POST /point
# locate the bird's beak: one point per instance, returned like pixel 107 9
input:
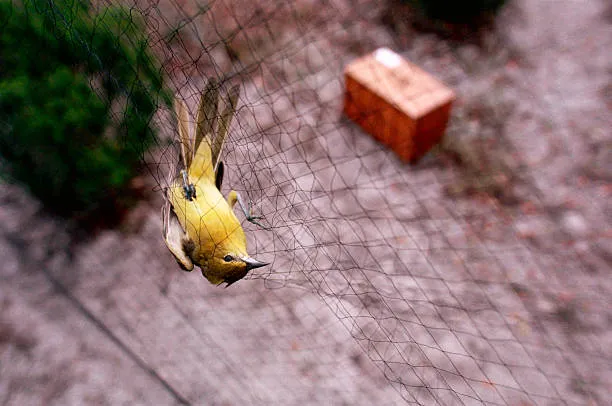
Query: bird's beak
pixel 253 263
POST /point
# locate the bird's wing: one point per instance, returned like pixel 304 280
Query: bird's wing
pixel 183 132
pixel 207 113
pixel 209 141
pixel 175 237
pixel 219 175
pixel 224 123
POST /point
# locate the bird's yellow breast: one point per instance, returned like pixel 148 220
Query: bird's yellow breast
pixel 209 221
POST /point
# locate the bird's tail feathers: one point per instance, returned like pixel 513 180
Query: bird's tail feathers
pixel 183 132
pixel 206 120
pixel 201 155
pixel 223 125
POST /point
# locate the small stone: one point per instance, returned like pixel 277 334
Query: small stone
pixel 574 223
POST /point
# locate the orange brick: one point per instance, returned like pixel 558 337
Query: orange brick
pixel 396 102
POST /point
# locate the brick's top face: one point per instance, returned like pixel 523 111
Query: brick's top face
pixel 399 82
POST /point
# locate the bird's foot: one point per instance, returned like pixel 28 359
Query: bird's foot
pixel 248 213
pixel 188 188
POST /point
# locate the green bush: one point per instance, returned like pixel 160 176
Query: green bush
pixel 457 11
pixel 77 94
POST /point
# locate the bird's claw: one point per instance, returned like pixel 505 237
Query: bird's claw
pixel 188 188
pixel 248 215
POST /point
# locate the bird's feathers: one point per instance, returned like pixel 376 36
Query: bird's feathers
pixel 219 175
pixel 207 114
pixel 223 125
pixel 183 132
pixel 211 131
pixel 175 237
pixel 202 168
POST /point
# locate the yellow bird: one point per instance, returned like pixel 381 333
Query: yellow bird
pixel 199 225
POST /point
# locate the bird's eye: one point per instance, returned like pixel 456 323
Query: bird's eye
pixel 228 258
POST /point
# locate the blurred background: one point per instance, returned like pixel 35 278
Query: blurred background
pixel 480 275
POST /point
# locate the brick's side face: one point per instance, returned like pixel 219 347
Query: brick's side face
pixel 430 130
pixel 379 118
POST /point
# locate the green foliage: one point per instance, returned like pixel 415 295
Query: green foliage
pixel 457 11
pixel 77 94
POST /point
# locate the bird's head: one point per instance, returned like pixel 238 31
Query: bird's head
pixel 229 261
pixel 230 268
